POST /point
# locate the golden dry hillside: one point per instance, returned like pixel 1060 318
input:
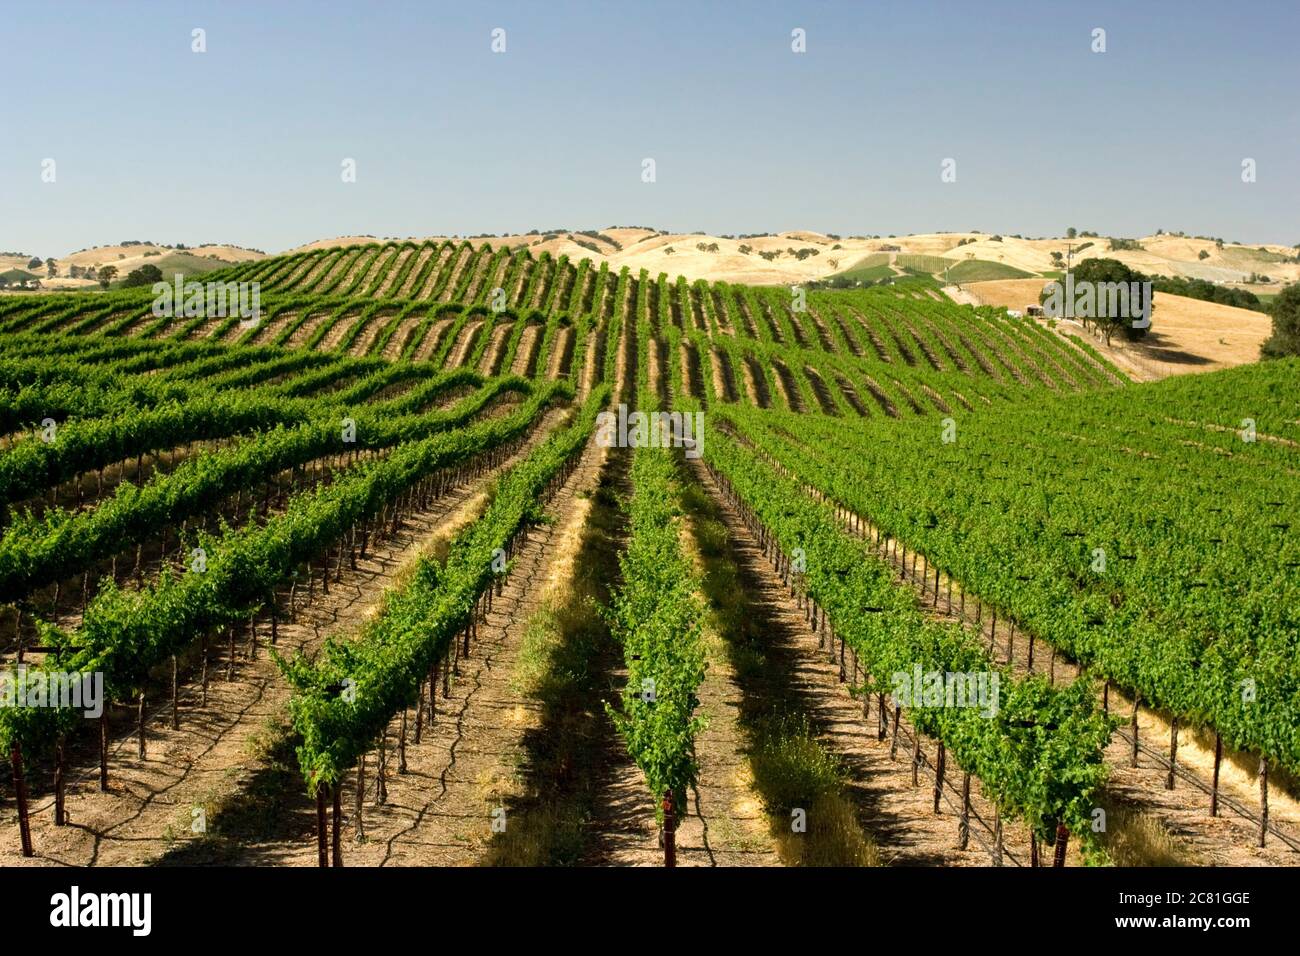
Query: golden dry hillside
pixel 126 257
pixel 1187 335
pixel 775 259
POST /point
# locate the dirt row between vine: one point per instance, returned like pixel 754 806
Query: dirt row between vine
pixel 217 753
pixel 899 816
pixel 723 823
pixel 1181 814
pixel 1225 840
pixel 441 808
pixel 236 509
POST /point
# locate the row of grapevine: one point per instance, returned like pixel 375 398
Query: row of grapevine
pixel 124 634
pixel 1037 750
pixel 656 616
pixel 60 543
pixel 344 698
pixel 1157 551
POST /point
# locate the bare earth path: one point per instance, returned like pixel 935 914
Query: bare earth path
pixel 1183 812
pixel 440 810
pixel 1226 840
pixel 723 825
pixel 899 816
pixel 150 804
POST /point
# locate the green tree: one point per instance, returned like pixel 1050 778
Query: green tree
pixel 51 268
pixel 1286 324
pixel 1071 233
pixel 107 275
pixel 145 275
pixel 1091 276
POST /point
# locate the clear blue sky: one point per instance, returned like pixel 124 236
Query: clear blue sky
pixel 243 144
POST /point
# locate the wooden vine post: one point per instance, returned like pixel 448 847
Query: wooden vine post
pixel 1263 799
pixel 1214 786
pixel 963 828
pixel 176 719
pixel 1062 838
pixel 337 792
pixel 322 848
pixel 103 750
pixel 20 797
pixel 140 723
pixel 401 745
pixel 893 742
pixel 916 753
pixel 1133 727
pixel 361 792
pixel 940 762
pixel 997 836
pixel 670 830
pixel 1173 753
pixel 60 786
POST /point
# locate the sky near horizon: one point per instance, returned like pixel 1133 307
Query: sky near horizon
pixel 244 143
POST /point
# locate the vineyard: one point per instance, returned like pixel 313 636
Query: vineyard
pixel 362 580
